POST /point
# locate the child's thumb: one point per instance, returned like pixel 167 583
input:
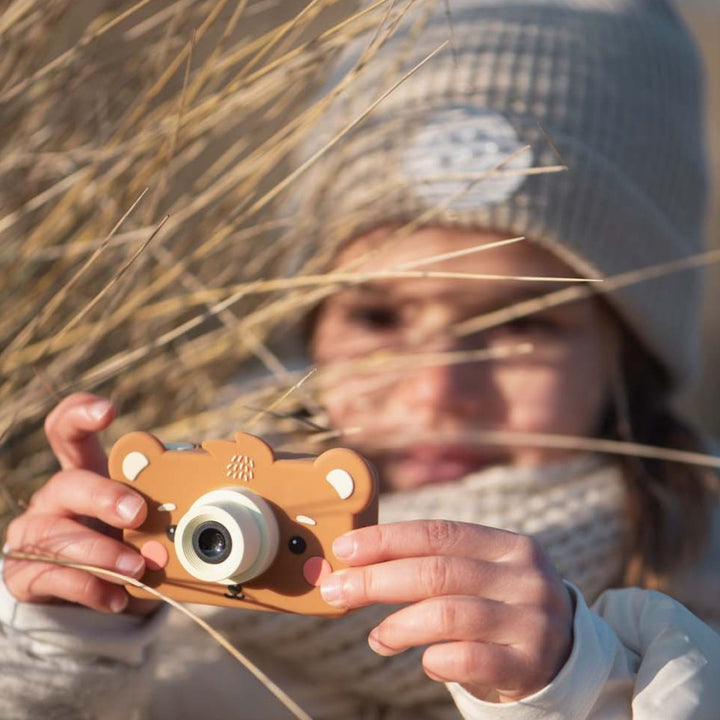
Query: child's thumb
pixel 72 428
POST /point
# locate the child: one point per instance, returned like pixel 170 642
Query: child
pixel 460 442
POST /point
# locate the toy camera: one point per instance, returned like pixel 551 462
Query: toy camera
pixel 230 524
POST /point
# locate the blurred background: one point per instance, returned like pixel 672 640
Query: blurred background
pixel 201 101
pixel 703 17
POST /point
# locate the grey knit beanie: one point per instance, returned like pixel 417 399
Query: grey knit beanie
pixel 612 87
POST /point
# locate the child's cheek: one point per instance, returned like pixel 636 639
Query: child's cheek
pixel 536 400
pixel 554 399
pixel 347 404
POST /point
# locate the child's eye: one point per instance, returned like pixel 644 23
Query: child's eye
pixel 378 317
pixel 530 324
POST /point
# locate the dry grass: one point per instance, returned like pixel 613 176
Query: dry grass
pixel 250 666
pixel 143 160
pixel 142 147
pixel 144 157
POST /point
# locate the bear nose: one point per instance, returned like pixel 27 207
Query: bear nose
pixel 315 569
pixel 156 555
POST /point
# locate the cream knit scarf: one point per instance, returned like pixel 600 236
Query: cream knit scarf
pixel 575 510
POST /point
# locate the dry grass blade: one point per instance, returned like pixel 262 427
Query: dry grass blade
pixel 256 418
pixel 172 145
pixel 271 194
pixel 63 59
pixel 276 37
pixel 176 63
pixel 507 172
pixel 380 371
pixel 390 360
pixel 578 292
pixel 262 287
pixel 470 182
pixel 114 279
pixel 598 445
pixel 60 296
pixel 275 689
pixel 458 253
pixel 35 203
pixel 125 360
pixel 13 14
pixel 207 70
pixel 550 441
pixel 448 17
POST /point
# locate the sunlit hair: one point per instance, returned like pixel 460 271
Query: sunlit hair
pixel 669 503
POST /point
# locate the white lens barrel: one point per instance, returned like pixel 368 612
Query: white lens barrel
pixel 249 526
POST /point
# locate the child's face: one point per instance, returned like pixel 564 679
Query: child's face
pixel 413 417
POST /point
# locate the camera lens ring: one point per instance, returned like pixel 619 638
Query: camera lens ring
pixel 212 542
pixel 252 527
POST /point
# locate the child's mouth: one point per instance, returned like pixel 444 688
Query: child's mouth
pixel 427 464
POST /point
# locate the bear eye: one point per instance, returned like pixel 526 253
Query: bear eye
pixel 170 532
pixel 297 545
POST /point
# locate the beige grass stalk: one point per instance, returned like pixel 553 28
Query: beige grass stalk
pixel 552 441
pixel 59 297
pixel 7 20
pixel 217 637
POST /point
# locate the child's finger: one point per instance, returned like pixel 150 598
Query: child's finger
pixel 81 492
pixel 64 539
pixel 53 582
pixel 440 619
pixel 414 579
pixel 421 538
pixel 486 665
pixel 71 430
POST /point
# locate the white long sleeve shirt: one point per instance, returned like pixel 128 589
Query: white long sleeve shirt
pixel 638 654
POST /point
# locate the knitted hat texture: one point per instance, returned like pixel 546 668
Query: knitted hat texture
pixel 610 88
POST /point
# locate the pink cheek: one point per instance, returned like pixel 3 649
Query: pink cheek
pixel 155 554
pixel 315 569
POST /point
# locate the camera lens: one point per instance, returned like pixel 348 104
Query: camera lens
pixel 228 535
pixel 212 543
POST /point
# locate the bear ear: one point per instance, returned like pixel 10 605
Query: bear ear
pixel 348 477
pixel 131 454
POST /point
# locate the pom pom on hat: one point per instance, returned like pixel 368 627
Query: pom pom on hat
pixel 610 88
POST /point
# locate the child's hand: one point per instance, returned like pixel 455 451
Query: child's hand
pixel 73 517
pixel 494 612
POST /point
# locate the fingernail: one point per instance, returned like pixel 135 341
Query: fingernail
pixel 343 547
pixel 130 564
pixel 119 603
pixel 98 410
pixel 435 676
pixel 128 507
pixel 378 647
pixel 331 589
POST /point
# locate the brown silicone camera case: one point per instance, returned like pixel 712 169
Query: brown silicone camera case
pixel 313 500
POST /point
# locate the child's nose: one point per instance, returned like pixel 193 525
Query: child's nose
pixel 441 381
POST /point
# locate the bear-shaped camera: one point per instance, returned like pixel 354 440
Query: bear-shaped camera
pixel 231 524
